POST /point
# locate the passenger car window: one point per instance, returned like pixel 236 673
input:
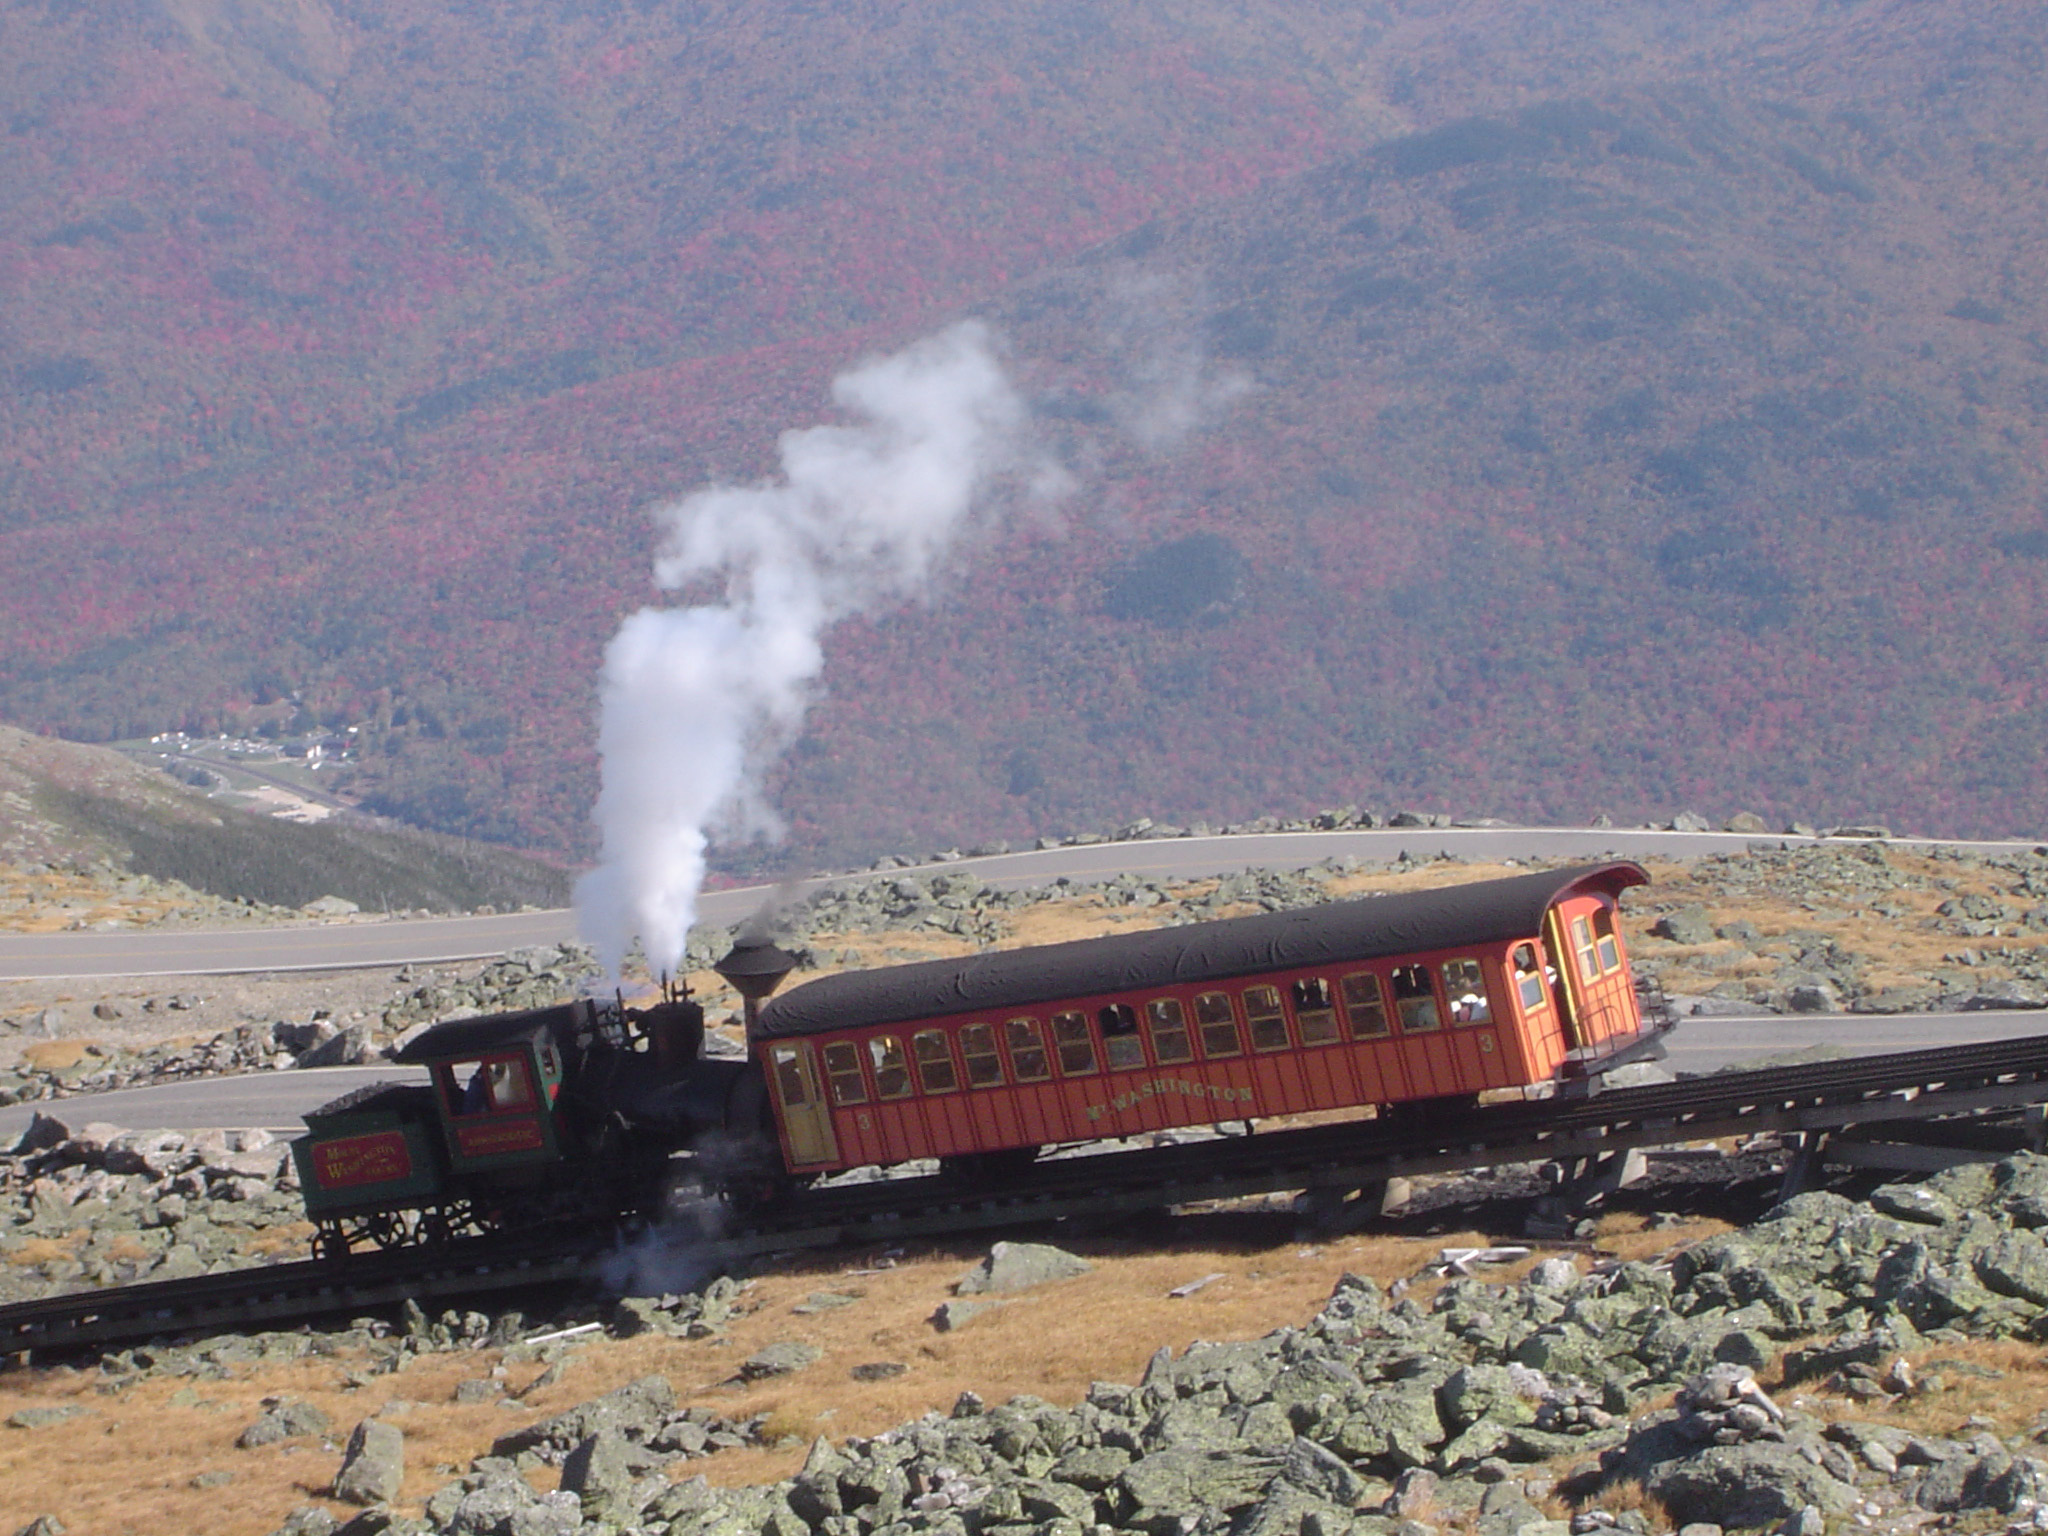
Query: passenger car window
pixel 1314 1014
pixel 1582 946
pixel 978 1050
pixel 1604 942
pixel 1465 986
pixel 1169 1025
pixel 1076 1044
pixel 842 1070
pixel 1529 978
pixel 789 1077
pixel 1364 1008
pixel 934 1061
pixel 892 1077
pixel 1120 1042
pixel 1027 1051
pixel 1218 1023
pixel 1268 1021
pixel 1415 1000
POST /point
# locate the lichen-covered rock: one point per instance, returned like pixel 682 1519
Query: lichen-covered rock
pixel 1154 1494
pixel 2016 1265
pixel 373 1466
pixel 1745 1486
pixel 1019 1267
pixel 607 1473
pixel 782 1358
pixel 1389 1430
pixel 1498 1394
pixel 284 1419
pixel 636 1410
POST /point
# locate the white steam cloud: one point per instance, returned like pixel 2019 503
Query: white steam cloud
pixel 698 700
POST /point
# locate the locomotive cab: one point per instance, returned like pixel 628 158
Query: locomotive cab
pixel 497 1084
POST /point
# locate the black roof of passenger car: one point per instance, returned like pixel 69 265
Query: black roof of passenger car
pixel 1367 928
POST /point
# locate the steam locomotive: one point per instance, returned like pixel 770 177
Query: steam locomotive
pixel 589 1110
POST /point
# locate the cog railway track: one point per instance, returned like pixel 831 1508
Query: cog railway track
pixel 1807 1100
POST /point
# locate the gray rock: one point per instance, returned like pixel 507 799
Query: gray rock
pixel 349 1047
pixel 285 1420
pixel 1555 1274
pixel 1389 1431
pixel 552 1514
pixel 2016 1265
pixel 373 1466
pixel 1316 1471
pixel 1413 1494
pixel 605 1472
pixel 635 1410
pixel 781 1358
pixel 1760 1483
pixel 43 1133
pixel 1688 925
pixel 1020 1266
pixel 460 1510
pixel 1813 997
pixel 1155 1494
pixel 1496 1393
pixel 1093 1468
pixel 1914 1202
pixel 307 1520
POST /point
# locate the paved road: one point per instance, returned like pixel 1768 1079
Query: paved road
pixel 276 1100
pixel 272 1100
pixel 343 946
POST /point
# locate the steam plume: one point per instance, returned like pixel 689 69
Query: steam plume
pixel 697 700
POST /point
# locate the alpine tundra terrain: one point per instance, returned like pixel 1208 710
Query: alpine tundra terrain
pixel 1872 1361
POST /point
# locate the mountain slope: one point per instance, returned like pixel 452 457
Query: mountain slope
pixel 1526 407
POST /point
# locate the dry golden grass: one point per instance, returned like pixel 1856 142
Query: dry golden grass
pixel 1900 949
pixel 55 1055
pixel 128 1466
pixel 1627 1235
pixel 46 1250
pixel 2013 1396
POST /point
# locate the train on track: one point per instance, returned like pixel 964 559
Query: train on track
pixel 1410 1005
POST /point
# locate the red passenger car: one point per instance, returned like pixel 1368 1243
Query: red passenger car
pixel 1385 1000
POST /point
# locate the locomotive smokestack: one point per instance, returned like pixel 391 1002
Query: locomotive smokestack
pixel 754 968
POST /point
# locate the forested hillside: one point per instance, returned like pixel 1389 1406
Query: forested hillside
pixel 1528 408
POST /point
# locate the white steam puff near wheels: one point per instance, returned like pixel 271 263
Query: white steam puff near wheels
pixel 697 700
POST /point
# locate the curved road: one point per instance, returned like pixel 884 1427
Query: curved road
pixel 344 946
pixel 276 1100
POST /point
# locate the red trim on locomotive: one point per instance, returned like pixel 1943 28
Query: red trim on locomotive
pixel 1449 1022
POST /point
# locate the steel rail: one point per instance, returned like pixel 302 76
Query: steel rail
pixel 1806 1099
